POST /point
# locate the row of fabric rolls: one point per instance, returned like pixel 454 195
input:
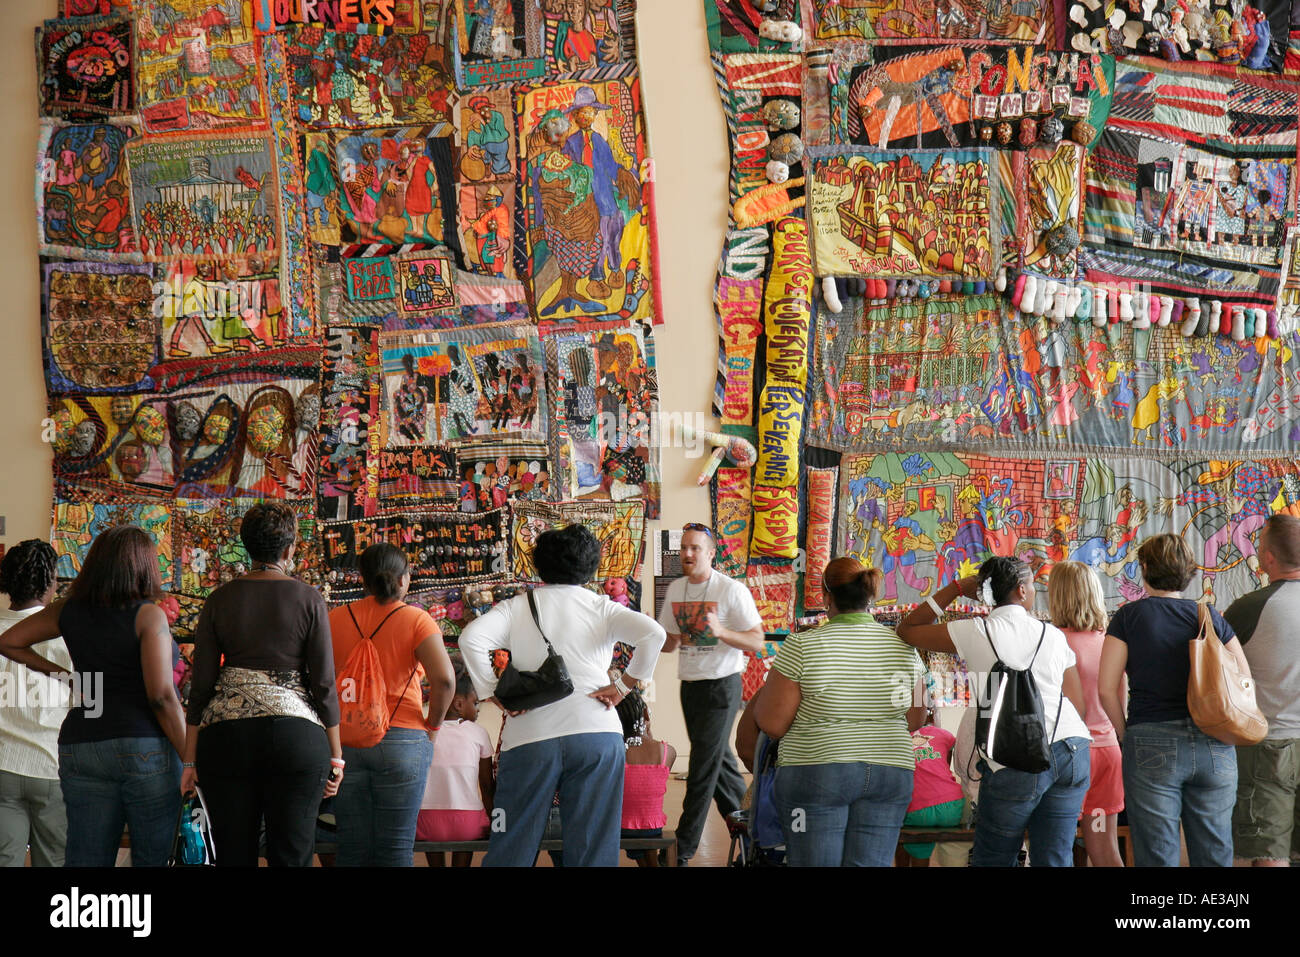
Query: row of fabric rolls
pixel 1049 298
pixel 1035 296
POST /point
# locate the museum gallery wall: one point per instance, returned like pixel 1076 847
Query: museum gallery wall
pixel 1009 278
pixel 998 279
pixel 389 262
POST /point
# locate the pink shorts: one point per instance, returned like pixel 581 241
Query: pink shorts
pixel 1106 790
pixel 442 825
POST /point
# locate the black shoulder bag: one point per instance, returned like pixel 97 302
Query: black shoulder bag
pixel 524 690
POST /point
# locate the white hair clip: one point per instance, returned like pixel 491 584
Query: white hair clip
pixel 986 592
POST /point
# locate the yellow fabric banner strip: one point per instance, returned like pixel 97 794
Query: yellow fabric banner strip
pixel 788 317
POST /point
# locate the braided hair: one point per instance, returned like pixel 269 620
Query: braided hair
pixel 1004 575
pixel 27 571
pixel 631 711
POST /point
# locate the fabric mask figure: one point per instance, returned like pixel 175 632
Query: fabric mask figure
pixel 83 439
pixel 186 421
pixel 131 459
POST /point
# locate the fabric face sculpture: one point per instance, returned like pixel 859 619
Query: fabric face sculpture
pixel 786 148
pixel 781 114
pixel 150 425
pixel 307 409
pixel 783 31
pixel 265 430
pixel 121 409
pixel 216 429
pixel 63 429
pixel 187 422
pixel 83 439
pixel 131 459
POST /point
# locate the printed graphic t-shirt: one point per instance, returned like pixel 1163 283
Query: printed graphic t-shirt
pixel 935 782
pixel 701 655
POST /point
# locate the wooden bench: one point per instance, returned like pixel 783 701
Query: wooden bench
pixel 936 835
pixel 667 843
pixel 944 835
pixel 928 835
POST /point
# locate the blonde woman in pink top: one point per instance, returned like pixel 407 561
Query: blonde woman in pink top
pixel 1074 600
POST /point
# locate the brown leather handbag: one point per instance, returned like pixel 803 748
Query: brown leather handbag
pixel 1220 698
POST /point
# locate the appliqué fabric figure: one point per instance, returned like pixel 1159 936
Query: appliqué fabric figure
pixel 490 137
pixel 410 403
pixel 610 181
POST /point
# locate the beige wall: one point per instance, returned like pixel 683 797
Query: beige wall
pixel 25 473
pixel 688 142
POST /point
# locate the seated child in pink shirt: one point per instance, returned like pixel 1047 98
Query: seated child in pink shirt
pixel 645 777
pixel 937 797
pixel 460 786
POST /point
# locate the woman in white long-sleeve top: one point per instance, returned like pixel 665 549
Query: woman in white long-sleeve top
pixel 574 745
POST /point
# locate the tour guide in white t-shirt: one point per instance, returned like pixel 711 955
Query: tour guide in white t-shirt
pixel 714 621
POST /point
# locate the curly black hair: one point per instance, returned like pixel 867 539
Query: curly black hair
pixel 27 571
pixel 464 683
pixel 267 530
pixel 566 556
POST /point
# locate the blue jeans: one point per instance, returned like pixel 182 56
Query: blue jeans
pixel 1174 770
pixel 842 814
pixel 131 781
pixel 1046 805
pixel 379 801
pixel 587 770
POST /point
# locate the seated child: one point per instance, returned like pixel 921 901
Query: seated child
pixel 460 786
pixel 1264 225
pixel 937 796
pixel 645 777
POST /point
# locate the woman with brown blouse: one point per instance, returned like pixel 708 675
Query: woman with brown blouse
pixel 264 712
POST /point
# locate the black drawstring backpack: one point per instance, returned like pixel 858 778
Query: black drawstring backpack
pixel 1009 725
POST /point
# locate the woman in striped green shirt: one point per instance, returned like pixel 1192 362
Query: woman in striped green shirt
pixel 838 698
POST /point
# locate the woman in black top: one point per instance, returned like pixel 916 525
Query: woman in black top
pixel 1174 773
pixel 118 750
pixel 263 723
